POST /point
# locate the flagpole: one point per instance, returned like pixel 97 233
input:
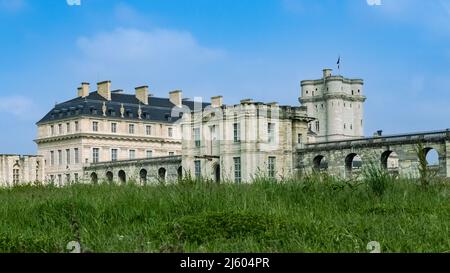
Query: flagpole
pixel 339 65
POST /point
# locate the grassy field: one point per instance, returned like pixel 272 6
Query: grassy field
pixel 316 215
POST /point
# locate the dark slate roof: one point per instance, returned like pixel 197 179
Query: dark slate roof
pixel 158 109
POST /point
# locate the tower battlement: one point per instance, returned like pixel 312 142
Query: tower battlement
pixel 337 103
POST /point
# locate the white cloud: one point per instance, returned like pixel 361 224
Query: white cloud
pixel 12 5
pixel 433 15
pixel 19 106
pixel 132 45
pixel 158 57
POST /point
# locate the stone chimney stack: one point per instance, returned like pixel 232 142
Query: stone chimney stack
pixel 327 72
pixel 175 97
pixel 216 101
pixel 83 91
pixel 104 89
pixel 142 94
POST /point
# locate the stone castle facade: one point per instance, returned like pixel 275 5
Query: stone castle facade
pixel 107 135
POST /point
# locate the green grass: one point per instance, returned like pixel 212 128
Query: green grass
pixel 317 215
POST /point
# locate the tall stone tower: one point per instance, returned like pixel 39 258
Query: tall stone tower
pixel 337 103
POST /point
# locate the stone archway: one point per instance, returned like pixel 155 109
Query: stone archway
pixel 353 163
pixel 143 176
pixel 432 156
pixel 320 163
pixel 122 177
pixel 180 173
pixel 217 173
pixel 109 177
pixel 94 178
pixel 162 173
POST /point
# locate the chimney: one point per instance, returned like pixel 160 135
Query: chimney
pixel 104 89
pixel 83 91
pixel 327 72
pixel 216 101
pixel 142 94
pixel 175 97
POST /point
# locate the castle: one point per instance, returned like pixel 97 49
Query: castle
pixel 107 135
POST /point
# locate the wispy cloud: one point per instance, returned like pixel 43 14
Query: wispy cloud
pixel 433 15
pixel 12 5
pixel 18 106
pixel 133 56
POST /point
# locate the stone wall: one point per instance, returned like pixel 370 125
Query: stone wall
pixel 142 171
pixel 372 150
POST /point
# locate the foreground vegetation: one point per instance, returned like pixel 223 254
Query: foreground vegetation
pixel 316 214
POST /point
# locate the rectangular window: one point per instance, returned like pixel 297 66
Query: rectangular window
pixel 95 155
pixel 76 155
pixel 149 154
pixel 68 178
pixel 76 177
pixel 171 153
pixel 15 176
pixel 131 128
pixel 170 132
pixel 132 154
pixel 60 157
pixel 236 132
pixel 68 156
pixel 60 179
pixel 198 170
pixel 113 154
pixel 113 127
pixel 52 178
pixel 95 126
pixel 271 132
pixel 271 167
pixel 197 137
pixel 148 130
pixel 237 169
pixel 60 129
pixel 317 126
pixel 299 138
pixel 52 130
pixel 52 158
pixel 77 126
pixel 68 127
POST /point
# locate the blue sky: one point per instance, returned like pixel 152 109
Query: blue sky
pixel 258 49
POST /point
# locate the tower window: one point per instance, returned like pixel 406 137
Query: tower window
pixel 317 126
pixel 236 132
pixel 197 137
